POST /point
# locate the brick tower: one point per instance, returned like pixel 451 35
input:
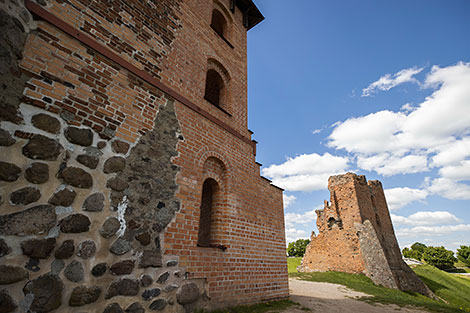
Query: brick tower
pixel 128 175
pixel 356 236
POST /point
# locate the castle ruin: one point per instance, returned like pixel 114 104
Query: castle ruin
pixel 356 236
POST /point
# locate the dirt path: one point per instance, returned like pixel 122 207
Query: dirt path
pixel 333 298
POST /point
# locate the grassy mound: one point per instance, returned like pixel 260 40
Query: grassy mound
pixel 452 289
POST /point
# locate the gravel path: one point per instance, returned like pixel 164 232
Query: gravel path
pixel 333 298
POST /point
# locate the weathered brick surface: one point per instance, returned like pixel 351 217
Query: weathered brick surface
pixel 356 236
pixel 72 83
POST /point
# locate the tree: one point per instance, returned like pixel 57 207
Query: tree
pixel 297 248
pixel 415 251
pixel 463 255
pixel 439 257
pixel 412 254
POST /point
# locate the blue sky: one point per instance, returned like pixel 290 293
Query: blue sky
pixel 380 88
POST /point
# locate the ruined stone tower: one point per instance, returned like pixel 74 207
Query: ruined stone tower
pixel 356 236
pixel 128 176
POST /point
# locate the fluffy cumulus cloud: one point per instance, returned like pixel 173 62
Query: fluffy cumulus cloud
pixel 419 231
pixel 306 172
pixel 402 196
pixel 288 200
pixel 424 218
pixel 297 222
pixel 433 135
pixel 388 81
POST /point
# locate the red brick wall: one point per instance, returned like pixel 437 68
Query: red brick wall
pixel 173 41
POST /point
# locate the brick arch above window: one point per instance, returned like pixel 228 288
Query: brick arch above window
pixel 220 14
pixel 217 88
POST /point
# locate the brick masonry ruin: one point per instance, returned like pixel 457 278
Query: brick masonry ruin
pixel 112 160
pixel 356 236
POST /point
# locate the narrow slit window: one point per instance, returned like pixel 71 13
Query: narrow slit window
pixel 214 87
pixel 218 23
pixel 209 189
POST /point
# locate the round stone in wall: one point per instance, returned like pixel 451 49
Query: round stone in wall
pixel 9 172
pixel 7 304
pixel 6 139
pixel 64 197
pixel 46 123
pixel 40 147
pixel 33 221
pixel 120 247
pixel 79 136
pixel 187 293
pixel 94 202
pixel 151 293
pixel 119 146
pixel 114 165
pixel 135 307
pixel 10 274
pixel 38 248
pixel 116 184
pixel 123 287
pixel 88 160
pixel 37 173
pixel 75 223
pixel 76 177
pixel 47 293
pixel 25 196
pixel 66 250
pixel 163 277
pixel 122 268
pixel 4 248
pixel 159 305
pixel 74 271
pixel 113 308
pixel 99 269
pixel 86 249
pixel 146 280
pixel 110 227
pixel 83 295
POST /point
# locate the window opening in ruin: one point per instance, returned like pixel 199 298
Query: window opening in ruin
pixel 218 23
pixel 214 87
pixel 209 188
pixel 331 222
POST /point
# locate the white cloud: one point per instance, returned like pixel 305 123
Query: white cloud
pixel 389 81
pixel 316 131
pixel 431 230
pixel 306 172
pixel 288 200
pixel 401 142
pixel 388 165
pixel 425 218
pixel 307 218
pixel 292 234
pixel 452 153
pixel 399 197
pixel 449 189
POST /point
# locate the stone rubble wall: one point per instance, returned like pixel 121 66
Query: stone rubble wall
pixel 357 236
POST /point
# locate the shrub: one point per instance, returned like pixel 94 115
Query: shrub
pixel 439 257
pixel 463 254
pixel 297 248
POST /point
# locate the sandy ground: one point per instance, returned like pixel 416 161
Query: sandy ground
pixel 333 298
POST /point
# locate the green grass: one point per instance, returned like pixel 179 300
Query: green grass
pixel 292 264
pixel 454 290
pixel 272 307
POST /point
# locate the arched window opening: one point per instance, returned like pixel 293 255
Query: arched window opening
pixel 209 190
pixel 214 87
pixel 218 23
